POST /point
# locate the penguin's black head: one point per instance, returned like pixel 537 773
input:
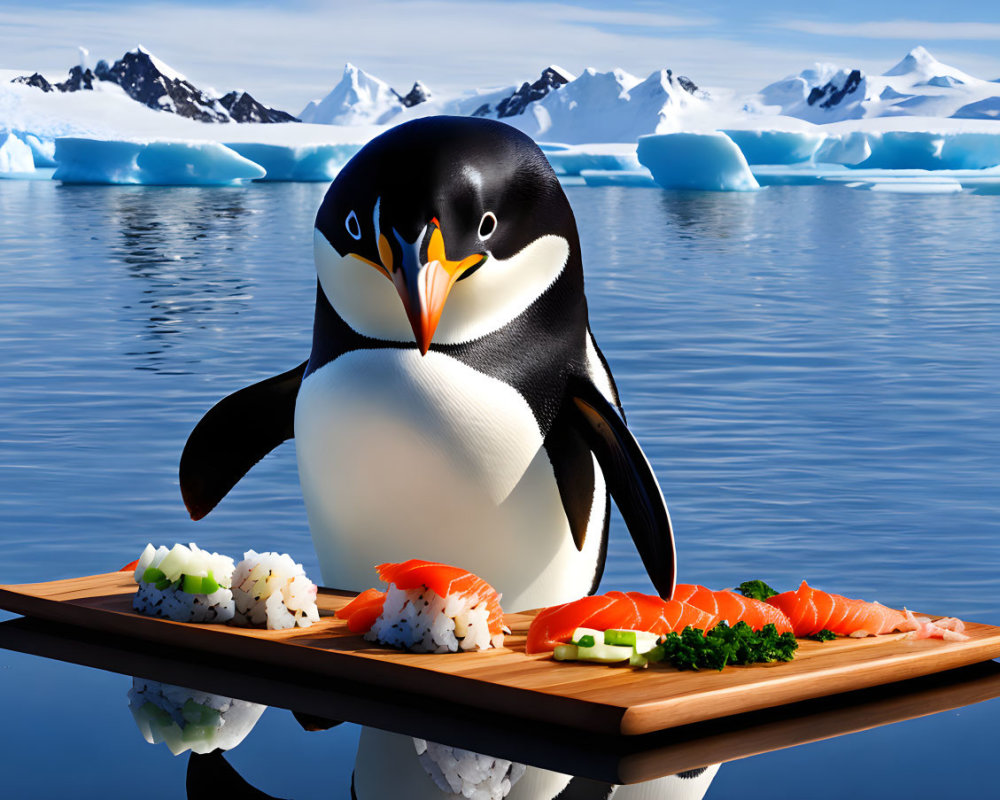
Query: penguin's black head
pixel 438 207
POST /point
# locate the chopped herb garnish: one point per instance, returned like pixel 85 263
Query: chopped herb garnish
pixel 723 646
pixel 584 641
pixel 756 590
pixel 823 636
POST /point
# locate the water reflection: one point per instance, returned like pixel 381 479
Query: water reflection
pixel 391 765
pixel 187 719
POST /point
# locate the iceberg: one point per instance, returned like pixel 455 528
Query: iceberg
pixel 617 177
pixel 158 163
pixel 709 161
pixel 776 146
pixel 932 150
pixel 15 154
pixel 301 162
pixel 573 159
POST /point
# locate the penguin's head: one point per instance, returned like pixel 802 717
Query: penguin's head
pixel 443 228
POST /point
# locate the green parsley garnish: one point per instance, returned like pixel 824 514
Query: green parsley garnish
pixel 756 590
pixel 823 636
pixel 724 646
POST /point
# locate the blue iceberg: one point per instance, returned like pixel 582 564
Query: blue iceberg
pixel 302 162
pixel 707 161
pixel 157 163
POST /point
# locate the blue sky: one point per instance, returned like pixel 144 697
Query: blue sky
pixel 291 53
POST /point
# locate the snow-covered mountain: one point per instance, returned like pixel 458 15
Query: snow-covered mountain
pixel 150 81
pixel 557 106
pixel 919 85
pixel 362 99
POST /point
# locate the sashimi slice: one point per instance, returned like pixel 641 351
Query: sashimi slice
pixel 732 607
pixel 620 610
pixel 363 610
pixel 811 610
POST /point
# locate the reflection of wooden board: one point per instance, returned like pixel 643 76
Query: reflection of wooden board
pixel 610 700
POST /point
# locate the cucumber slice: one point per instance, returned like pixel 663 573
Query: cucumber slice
pixel 153 575
pixel 642 641
pixel 565 652
pixel 163 584
pixel 209 585
pixel 604 653
pixel 191 584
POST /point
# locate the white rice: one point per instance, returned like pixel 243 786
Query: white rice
pixel 423 621
pixel 462 773
pixel 272 590
pixel 172 602
pixel 187 719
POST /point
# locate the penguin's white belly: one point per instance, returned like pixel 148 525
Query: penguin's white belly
pixel 408 456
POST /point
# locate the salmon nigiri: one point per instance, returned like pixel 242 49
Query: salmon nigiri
pixel 429 607
pixel 811 610
pixel 732 607
pixel 621 610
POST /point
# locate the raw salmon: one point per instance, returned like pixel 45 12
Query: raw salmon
pixel 442 579
pixel 621 610
pixel 363 610
pixel 732 607
pixel 811 610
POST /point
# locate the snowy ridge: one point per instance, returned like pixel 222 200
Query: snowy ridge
pixel 152 82
pixel 919 85
pixel 920 115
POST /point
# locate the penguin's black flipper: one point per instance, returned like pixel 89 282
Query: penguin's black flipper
pixel 234 435
pixel 630 480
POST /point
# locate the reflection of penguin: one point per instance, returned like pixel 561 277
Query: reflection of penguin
pixel 484 432
pixel 210 776
pixel 393 765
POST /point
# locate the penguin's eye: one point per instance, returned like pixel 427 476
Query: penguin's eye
pixel 487 225
pixel 353 226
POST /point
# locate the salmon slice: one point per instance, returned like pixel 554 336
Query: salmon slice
pixel 362 611
pixel 618 610
pixel 732 607
pixel 445 580
pixel 811 610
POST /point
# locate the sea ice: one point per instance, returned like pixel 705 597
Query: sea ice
pixel 617 177
pixel 157 163
pixel 297 162
pixel 696 161
pixel 15 154
pixel 776 146
pixel 573 159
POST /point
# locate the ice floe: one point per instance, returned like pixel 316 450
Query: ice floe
pixel 709 161
pixel 155 163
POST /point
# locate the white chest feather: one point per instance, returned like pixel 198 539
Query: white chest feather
pixel 408 456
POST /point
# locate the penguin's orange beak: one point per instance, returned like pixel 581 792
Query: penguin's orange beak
pixel 424 280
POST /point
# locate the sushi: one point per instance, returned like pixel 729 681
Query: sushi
pixel 732 607
pixel 428 608
pixel 188 719
pixel 184 584
pixel 271 590
pixel 615 610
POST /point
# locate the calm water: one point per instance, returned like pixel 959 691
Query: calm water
pixel 812 371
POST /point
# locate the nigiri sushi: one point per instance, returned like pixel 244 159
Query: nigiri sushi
pixel 732 607
pixel 428 608
pixel 615 610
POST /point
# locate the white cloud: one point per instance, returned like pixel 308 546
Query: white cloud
pixel 908 29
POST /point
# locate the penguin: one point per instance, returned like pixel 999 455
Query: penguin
pixel 455 406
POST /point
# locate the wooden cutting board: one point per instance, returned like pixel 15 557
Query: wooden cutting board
pixel 592 697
